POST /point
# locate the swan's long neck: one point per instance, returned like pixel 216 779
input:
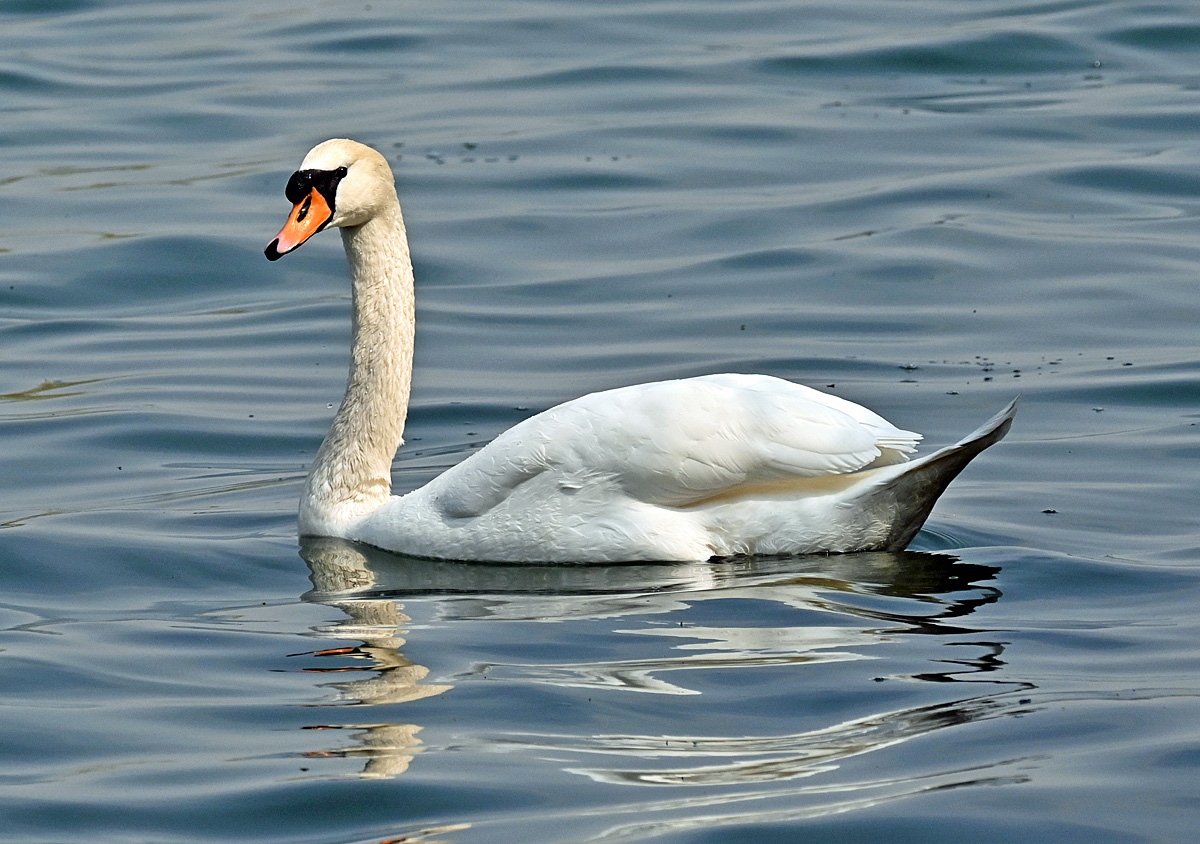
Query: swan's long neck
pixel 351 474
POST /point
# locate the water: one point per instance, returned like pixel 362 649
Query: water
pixel 926 207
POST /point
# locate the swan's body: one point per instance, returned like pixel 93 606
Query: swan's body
pixel 676 470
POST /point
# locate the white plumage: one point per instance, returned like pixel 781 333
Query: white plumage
pixel 703 467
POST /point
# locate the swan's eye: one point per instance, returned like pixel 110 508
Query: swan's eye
pixel 304 208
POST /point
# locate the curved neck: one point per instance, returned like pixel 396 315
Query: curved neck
pixel 351 473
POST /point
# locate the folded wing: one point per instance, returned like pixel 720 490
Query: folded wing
pixel 673 443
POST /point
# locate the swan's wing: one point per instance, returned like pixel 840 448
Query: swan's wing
pixel 676 442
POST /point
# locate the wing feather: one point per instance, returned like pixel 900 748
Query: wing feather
pixel 673 443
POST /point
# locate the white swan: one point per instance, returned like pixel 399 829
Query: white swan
pixel 704 467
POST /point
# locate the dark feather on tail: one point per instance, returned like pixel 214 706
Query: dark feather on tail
pixel 911 494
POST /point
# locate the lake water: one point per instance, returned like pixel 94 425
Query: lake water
pixel 926 207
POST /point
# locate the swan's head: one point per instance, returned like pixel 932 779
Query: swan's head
pixel 339 183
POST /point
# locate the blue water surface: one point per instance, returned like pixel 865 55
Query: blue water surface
pixel 926 207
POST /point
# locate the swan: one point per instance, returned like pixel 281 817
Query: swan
pixel 683 470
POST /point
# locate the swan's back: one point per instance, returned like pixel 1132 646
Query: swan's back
pixel 673 443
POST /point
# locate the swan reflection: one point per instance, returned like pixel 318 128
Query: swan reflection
pixel 839 609
pixel 766 758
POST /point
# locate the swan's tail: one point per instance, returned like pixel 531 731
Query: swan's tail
pixel 911 491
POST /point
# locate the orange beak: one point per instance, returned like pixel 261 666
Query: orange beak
pixel 308 217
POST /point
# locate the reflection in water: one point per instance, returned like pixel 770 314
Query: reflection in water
pixel 761 807
pixel 338 569
pixel 867 600
pixel 770 758
pixel 387 748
